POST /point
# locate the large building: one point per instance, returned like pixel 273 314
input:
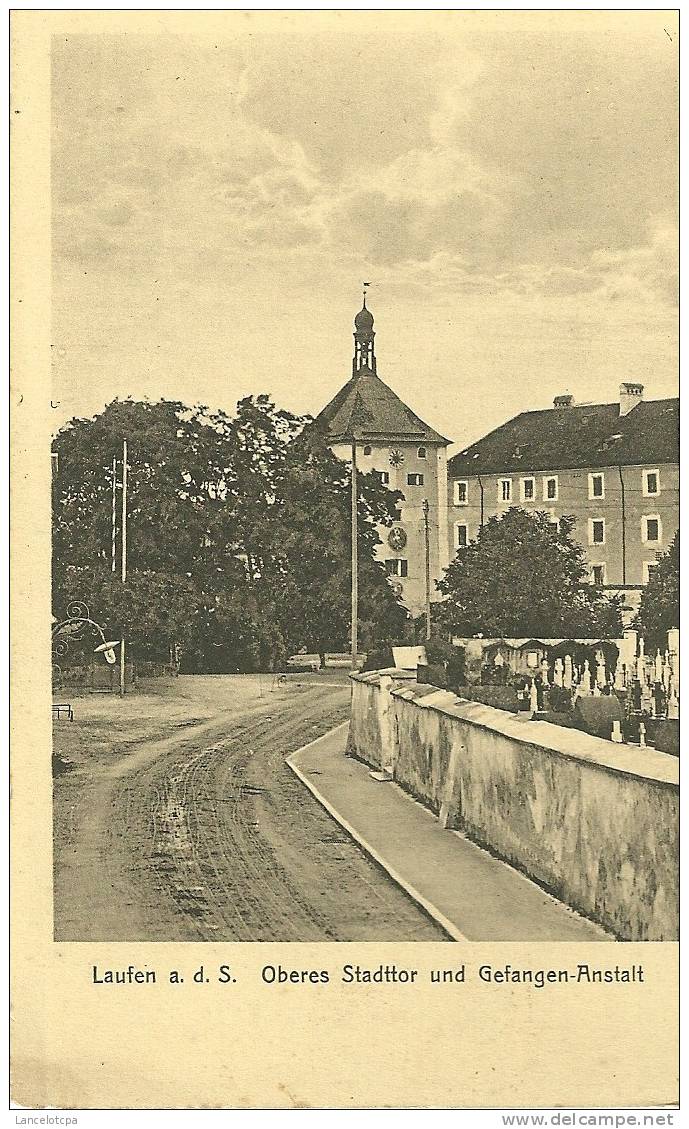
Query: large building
pixel 613 467
pixel 406 453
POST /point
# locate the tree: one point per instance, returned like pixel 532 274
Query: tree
pixel 153 611
pixel 315 537
pixel 524 576
pixel 238 533
pixel 659 609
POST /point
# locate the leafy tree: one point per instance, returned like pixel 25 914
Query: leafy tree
pixel 524 576
pixel 659 610
pixel 238 533
pixel 152 610
pixel 315 550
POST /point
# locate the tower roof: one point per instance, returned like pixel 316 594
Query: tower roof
pixel 363 322
pixel 367 407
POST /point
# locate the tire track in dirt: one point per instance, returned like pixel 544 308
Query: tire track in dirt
pixel 208 836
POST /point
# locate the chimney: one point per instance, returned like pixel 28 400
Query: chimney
pixel 564 401
pixel 631 394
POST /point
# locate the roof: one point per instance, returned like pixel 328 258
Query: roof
pixel 584 435
pixel 373 411
pixel 363 322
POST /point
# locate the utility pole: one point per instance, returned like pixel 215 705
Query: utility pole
pixel 427 542
pixel 113 537
pixel 355 559
pixel 124 553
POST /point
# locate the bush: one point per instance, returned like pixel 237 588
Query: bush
pixel 438 650
pixel 560 699
pixel 500 697
pixel 596 715
pixel 433 674
pixel 380 658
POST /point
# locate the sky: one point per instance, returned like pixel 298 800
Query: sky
pixel 506 183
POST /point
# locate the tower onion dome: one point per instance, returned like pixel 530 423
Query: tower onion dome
pixel 363 322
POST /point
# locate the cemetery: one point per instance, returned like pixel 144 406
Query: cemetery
pixel 613 689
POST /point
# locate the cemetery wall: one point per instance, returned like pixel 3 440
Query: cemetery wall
pixel 593 822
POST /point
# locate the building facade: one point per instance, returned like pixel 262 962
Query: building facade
pixel 407 454
pixel 613 467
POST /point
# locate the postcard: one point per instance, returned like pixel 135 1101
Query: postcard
pixel 345 508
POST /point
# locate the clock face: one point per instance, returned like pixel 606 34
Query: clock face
pixel 397 539
pixel 396 457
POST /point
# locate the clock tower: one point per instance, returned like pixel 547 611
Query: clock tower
pixel 406 453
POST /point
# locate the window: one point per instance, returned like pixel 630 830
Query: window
pixel 505 490
pixel 596 531
pixel 421 453
pixel 461 535
pixel 596 486
pixel 550 488
pixel 528 489
pixel 651 484
pixel 367 450
pixel 651 529
pixel 384 477
pixel 414 480
pixel 461 493
pixel 397 567
pixel 598 575
pixel 648 567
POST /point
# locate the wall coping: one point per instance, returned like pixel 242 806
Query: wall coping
pixel 647 764
pixel 373 677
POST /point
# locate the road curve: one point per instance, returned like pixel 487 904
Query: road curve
pixel 206 835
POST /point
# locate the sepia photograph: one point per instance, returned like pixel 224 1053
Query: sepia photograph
pixel 365 480
pixel 345 562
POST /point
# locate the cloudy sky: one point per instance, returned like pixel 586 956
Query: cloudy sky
pixel 507 184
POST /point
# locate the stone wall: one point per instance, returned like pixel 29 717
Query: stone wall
pixel 593 822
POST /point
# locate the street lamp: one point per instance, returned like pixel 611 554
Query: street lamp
pixel 73 626
pixel 107 649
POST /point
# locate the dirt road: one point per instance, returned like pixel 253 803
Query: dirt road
pixel 176 819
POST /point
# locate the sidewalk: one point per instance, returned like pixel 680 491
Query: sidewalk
pixel 473 896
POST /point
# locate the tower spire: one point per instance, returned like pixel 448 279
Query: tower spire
pixel 364 352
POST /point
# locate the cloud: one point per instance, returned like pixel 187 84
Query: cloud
pixel 502 185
